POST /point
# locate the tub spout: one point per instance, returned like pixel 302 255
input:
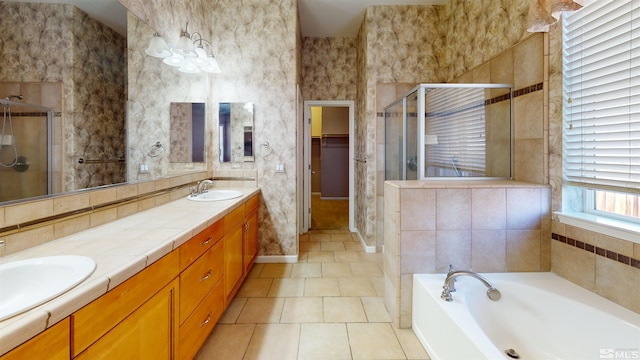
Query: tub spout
pixel 449 287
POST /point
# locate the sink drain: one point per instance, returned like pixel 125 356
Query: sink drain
pixel 512 354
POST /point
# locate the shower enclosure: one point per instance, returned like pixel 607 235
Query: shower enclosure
pixel 449 131
pixel 25 150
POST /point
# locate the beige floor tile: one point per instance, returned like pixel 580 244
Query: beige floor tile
pixel 378 285
pixel 255 271
pixel 336 270
pixel 255 288
pixel 375 309
pixel 410 344
pixel 306 270
pixel 375 257
pixel 343 237
pixel 233 311
pixel 261 311
pixel 323 342
pixel 302 310
pixel 331 246
pixel 343 309
pixel 320 256
pixel 321 287
pixel 354 286
pixel 287 288
pixel 227 342
pixel 385 345
pixel 347 256
pixel 353 246
pixel 276 271
pixel 317 237
pixel 273 341
pixel 365 269
pixel 310 246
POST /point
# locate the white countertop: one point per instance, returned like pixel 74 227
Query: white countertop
pixel 120 249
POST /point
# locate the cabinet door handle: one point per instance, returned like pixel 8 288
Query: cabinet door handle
pixel 206 276
pixel 206 321
pixel 206 241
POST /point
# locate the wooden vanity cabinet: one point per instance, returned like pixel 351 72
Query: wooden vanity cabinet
pixel 201 288
pixel 250 236
pixel 136 317
pixel 240 245
pixel 54 342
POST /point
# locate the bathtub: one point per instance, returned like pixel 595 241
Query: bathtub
pixel 540 316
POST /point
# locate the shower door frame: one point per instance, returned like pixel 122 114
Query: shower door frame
pixel 49 116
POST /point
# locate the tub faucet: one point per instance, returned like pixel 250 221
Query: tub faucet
pixel 202 186
pixel 449 286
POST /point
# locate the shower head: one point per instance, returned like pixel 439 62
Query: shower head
pixel 19 97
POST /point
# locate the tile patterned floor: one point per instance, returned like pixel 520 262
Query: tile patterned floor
pixel 327 306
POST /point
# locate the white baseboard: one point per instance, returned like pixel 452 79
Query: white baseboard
pixel 277 259
pixel 367 248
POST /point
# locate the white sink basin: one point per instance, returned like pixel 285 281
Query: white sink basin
pixel 25 284
pixel 216 195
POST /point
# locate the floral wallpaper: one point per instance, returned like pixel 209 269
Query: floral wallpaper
pixel 257 46
pixel 60 43
pixel 329 68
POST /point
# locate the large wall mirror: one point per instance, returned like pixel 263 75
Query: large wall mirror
pixel 236 132
pixel 57 57
pixel 187 132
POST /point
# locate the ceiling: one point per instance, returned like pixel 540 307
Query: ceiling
pixel 319 18
pixel 342 18
pixel 109 12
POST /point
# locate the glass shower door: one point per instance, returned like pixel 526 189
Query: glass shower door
pixel 411 131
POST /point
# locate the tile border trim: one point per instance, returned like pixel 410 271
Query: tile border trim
pixel 611 255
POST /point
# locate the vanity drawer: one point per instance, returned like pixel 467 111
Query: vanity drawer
pixel 252 204
pixel 199 278
pixel 199 324
pixel 200 243
pixel 233 219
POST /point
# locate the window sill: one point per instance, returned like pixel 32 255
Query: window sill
pixel 611 227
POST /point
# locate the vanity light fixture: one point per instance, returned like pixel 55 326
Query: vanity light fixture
pixel 188 55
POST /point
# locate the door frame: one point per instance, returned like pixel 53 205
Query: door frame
pixel 306 168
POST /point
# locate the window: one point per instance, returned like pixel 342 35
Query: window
pixel 601 109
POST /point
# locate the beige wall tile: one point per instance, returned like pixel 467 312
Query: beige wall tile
pixel 418 208
pixel 489 250
pixel 21 213
pixel 103 216
pixel 453 208
pixel 453 247
pixel 528 61
pixel 489 208
pixel 502 68
pixel 72 226
pixel 618 282
pixel 614 244
pixel 529 160
pixel 573 264
pixel 583 235
pixel 523 208
pixel 523 250
pixel 70 203
pixel 418 252
pixel 528 116
pixel 27 239
pixel 482 73
pixel 102 196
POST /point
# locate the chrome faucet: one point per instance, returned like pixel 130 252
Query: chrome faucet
pixel 449 286
pixel 202 186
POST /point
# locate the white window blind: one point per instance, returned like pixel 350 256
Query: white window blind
pixel 456 118
pixel 601 108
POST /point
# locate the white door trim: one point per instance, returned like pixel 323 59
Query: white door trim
pixel 306 168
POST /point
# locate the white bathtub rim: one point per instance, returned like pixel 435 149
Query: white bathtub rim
pixel 544 281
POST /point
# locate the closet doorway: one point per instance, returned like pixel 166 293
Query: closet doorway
pixel 328 156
